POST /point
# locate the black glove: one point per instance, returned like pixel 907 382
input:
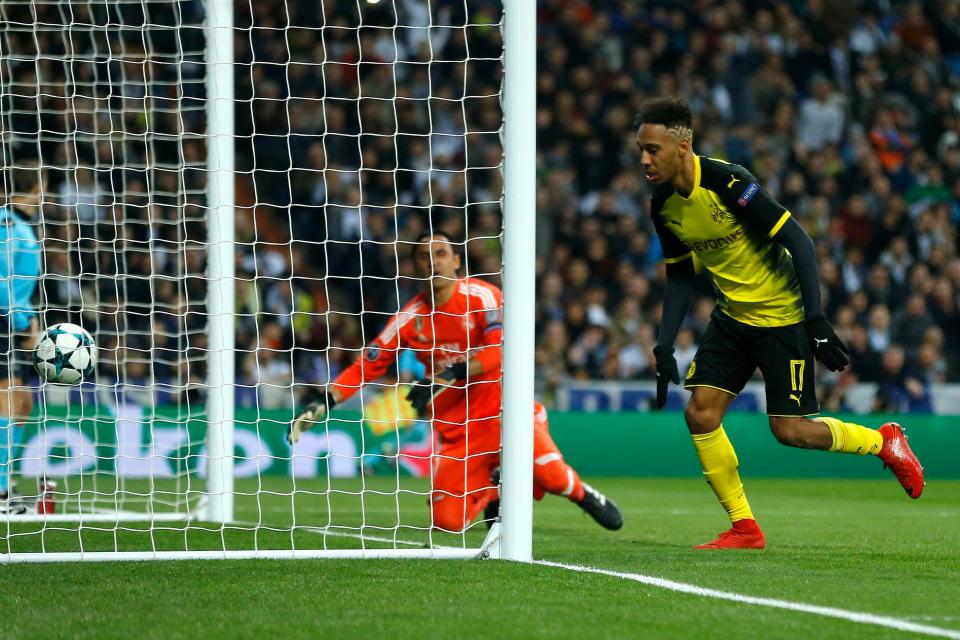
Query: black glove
pixel 826 346
pixel 424 390
pixel 314 412
pixel 667 372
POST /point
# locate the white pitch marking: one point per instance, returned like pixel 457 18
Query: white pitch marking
pixel 682 587
pixel 830 612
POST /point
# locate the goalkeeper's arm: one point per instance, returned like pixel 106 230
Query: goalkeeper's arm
pixel 315 411
pixel 424 390
pixel 377 357
pixel 488 357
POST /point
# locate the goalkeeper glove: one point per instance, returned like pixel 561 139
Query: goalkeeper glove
pixel 314 412
pixel 667 372
pixel 424 390
pixel 826 346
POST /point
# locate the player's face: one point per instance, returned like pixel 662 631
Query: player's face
pixel 437 261
pixel 659 154
pixel 30 202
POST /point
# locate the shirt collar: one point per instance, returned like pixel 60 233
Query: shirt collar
pixel 696 178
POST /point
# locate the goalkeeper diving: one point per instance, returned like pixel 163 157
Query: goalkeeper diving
pixel 454 328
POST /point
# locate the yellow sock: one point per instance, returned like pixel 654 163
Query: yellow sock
pixel 852 438
pixel 720 465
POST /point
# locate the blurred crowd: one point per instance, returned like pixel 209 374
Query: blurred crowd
pixel 359 125
pixel 848 112
pixel 109 99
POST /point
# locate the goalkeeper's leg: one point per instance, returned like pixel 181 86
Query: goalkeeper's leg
pixel 551 474
pixel 461 486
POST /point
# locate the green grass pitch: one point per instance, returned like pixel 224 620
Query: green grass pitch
pixel 860 545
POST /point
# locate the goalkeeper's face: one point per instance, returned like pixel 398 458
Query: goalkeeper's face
pixel 436 262
pixel 661 153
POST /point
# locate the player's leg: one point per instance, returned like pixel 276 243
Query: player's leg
pixel 787 364
pixel 721 468
pixel 721 368
pixel 6 444
pixel 447 496
pixel 552 474
pixel 461 482
pixel 482 489
pixel 9 405
pixel 15 403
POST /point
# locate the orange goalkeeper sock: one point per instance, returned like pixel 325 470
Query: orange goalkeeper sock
pixel 720 467
pixel 852 438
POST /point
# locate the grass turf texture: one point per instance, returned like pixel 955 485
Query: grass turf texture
pixel 859 545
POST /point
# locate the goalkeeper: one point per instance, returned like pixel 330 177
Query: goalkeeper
pixel 768 314
pixel 454 328
pixel 19 272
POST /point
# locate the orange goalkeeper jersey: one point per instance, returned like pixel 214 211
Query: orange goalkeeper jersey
pixel 468 325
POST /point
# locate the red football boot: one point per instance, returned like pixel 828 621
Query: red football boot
pixel 898 457
pixel 744 534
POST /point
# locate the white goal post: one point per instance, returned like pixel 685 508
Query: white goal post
pixel 159 237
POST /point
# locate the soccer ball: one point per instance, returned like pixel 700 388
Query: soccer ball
pixel 64 354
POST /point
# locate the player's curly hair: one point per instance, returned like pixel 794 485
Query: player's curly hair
pixel 673 112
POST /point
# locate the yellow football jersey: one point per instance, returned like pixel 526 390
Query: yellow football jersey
pixel 728 222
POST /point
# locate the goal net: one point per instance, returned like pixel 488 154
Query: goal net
pixel 230 211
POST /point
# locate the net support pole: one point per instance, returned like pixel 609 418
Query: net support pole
pixel 220 257
pixel 519 211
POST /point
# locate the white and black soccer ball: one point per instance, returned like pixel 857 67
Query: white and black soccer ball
pixel 64 354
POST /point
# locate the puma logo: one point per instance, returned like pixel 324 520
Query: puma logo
pixel 795 399
pixel 819 340
pixel 733 180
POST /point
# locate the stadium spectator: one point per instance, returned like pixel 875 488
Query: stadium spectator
pixel 821 116
pixel 911 323
pixel 900 388
pixel 880 335
pixel 851 122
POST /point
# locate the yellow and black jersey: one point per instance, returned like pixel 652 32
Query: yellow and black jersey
pixel 728 222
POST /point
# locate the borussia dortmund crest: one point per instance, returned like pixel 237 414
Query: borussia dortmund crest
pixel 718 215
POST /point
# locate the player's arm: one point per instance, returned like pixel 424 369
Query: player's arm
pixel 761 211
pixel 676 302
pixel 372 363
pixel 826 345
pixel 24 280
pixel 488 355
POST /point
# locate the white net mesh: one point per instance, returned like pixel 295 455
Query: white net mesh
pixel 358 127
pixel 108 98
